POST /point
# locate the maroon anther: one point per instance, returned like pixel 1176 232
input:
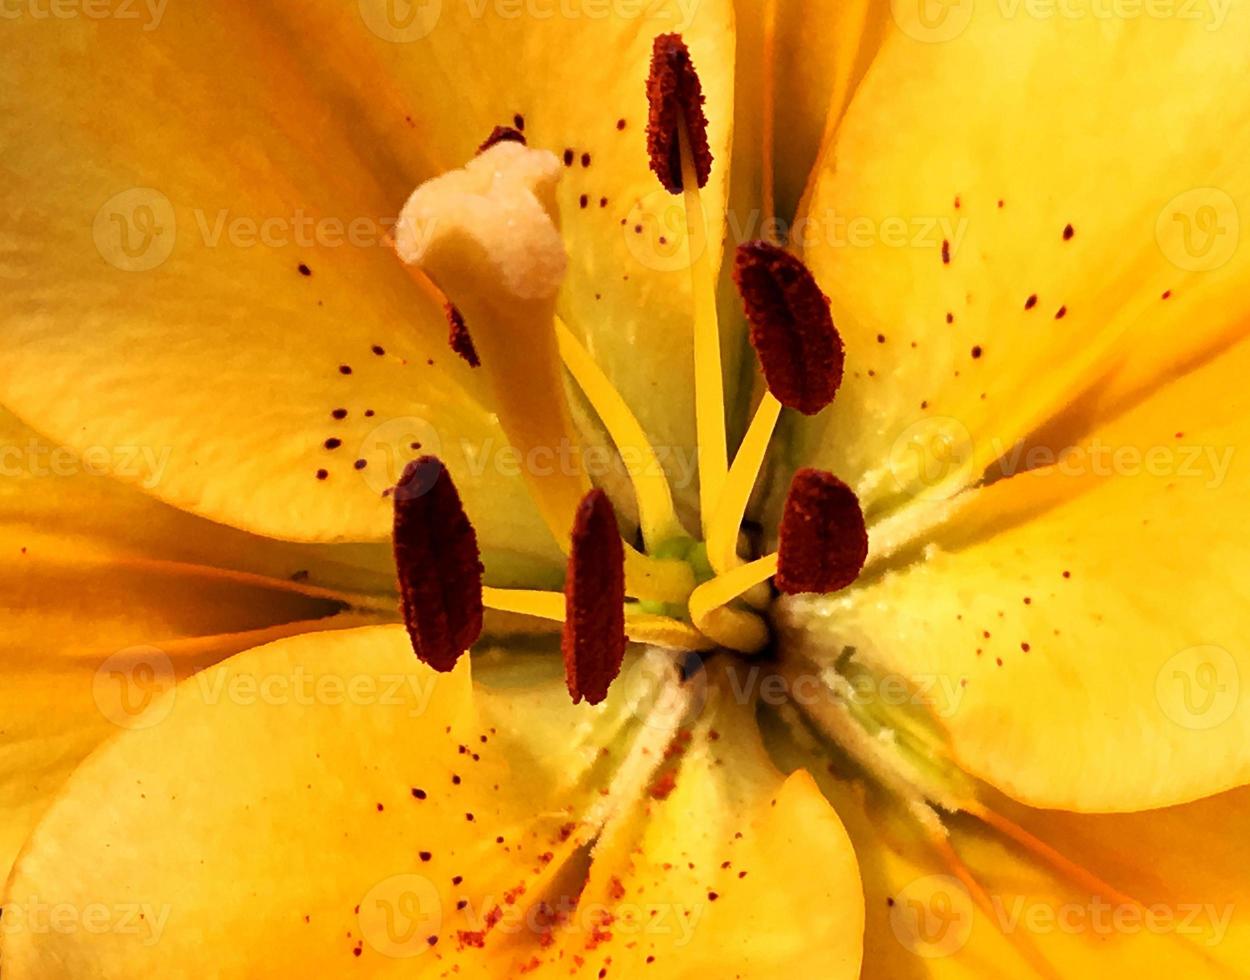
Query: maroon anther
pixel 440 570
pixel 676 98
pixel 458 336
pixel 792 330
pixel 824 542
pixel 502 134
pixel 594 594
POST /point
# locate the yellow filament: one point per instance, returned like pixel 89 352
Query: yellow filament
pixel 657 516
pixel 661 631
pixel 526 602
pixel 709 385
pixel 657 579
pixel 722 532
pixel 736 629
pixel 658 631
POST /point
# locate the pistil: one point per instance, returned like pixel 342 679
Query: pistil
pixel 487 238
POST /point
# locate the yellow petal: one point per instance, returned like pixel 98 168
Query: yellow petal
pixel 155 296
pixel 729 869
pixel 1081 628
pixel 941 208
pixel 326 800
pixel 820 53
pixel 112 596
pixel 1178 873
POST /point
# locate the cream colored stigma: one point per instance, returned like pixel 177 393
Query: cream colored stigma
pixel 488 237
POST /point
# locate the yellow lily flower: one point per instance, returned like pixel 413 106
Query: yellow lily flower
pixel 989 720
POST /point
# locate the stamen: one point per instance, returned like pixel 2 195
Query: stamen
pixel 594 625
pixel 824 541
pixel 792 330
pixel 440 570
pixel 802 358
pixel 458 336
pixel 502 134
pixel 680 156
pixel 676 99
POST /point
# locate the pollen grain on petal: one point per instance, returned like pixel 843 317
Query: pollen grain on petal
pixel 824 541
pixel 458 336
pixel 792 329
pixel 502 134
pixel 440 570
pixel 676 97
pixel 594 625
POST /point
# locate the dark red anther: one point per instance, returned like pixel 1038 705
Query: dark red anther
pixel 458 336
pixel 502 134
pixel 792 330
pixel 440 572
pixel 824 542
pixel 676 98
pixel 594 595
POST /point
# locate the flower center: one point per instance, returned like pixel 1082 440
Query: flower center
pixel 485 241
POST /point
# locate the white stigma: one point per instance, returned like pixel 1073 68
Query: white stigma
pixel 490 228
